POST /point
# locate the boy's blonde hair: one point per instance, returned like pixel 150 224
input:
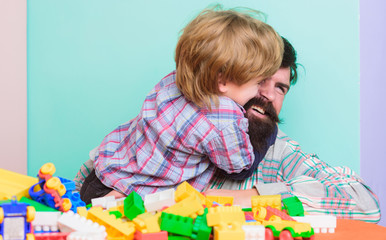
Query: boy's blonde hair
pixel 229 43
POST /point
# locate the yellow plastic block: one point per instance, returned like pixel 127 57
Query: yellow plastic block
pixel 15 184
pixel 115 228
pixel 147 222
pixel 185 190
pixel 118 208
pixel 82 211
pixel 188 207
pixel 229 232
pixel 225 214
pixel 218 199
pixel 273 201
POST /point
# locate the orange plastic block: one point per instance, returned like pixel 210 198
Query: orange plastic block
pixel 225 214
pixel 188 207
pixel 229 232
pixel 225 201
pixel 147 222
pixel 15 184
pixel 185 190
pixel 273 201
pixel 115 228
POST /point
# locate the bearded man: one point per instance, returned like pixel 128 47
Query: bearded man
pixel 281 167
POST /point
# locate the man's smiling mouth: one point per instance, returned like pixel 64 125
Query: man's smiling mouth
pixel 258 109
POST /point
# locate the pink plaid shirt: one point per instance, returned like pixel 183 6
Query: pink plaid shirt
pixel 171 141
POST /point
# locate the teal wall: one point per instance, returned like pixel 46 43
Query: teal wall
pixel 91 63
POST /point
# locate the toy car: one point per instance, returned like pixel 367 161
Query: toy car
pixel 15 221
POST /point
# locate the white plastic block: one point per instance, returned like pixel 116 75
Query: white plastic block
pixel 73 222
pixel 86 236
pixel 159 200
pixel 254 232
pixel 103 201
pixel 46 221
pixel 320 223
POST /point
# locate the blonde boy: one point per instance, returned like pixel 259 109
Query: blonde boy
pixel 192 121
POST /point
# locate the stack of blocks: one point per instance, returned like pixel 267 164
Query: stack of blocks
pixel 181 213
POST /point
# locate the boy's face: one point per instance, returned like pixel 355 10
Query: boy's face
pixel 240 93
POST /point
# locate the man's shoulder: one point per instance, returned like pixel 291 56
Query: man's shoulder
pixel 283 138
pixel 283 146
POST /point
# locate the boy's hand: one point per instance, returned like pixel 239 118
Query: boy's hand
pixel 240 197
pixel 116 194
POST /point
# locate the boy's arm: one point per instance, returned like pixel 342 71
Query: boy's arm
pixel 232 151
pixel 83 172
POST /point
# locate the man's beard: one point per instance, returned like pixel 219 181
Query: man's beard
pixel 260 129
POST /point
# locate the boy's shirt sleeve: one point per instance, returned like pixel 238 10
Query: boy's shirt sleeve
pixel 232 150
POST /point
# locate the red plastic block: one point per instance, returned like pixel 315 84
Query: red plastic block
pixel 163 235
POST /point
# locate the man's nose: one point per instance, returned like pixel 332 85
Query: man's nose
pixel 268 92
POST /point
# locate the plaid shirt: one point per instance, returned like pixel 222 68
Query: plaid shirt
pixel 322 189
pixel 171 141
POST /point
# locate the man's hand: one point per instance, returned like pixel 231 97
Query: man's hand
pixel 240 197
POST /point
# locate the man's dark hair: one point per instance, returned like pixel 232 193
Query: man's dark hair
pixel 289 60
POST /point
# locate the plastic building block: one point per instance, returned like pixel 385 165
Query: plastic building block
pixel 133 205
pixel 254 232
pixel 46 222
pixel 102 201
pixel 177 237
pixel 163 235
pixel 293 206
pixel 228 232
pixel 75 200
pixel 147 222
pixel 159 200
pixel 15 220
pixel 14 184
pixel 320 223
pixel 249 216
pixel 55 192
pixel 177 224
pixel 38 206
pixel 226 214
pixel 224 201
pixel 115 228
pixel 188 207
pixel 82 211
pixel 201 230
pixel 51 236
pixel 72 222
pixel 86 236
pixel 49 190
pixel 49 193
pixel 273 201
pixel 117 214
pixel 278 213
pixel 185 190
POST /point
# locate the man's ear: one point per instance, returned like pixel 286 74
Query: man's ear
pixel 222 84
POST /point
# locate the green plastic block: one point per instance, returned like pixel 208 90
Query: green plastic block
pixel 293 206
pixel 133 205
pixel 176 224
pixel 201 230
pixel 117 214
pixel 38 206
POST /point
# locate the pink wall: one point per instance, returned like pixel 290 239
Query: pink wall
pixel 13 85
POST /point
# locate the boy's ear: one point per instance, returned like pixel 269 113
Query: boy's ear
pixel 222 84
